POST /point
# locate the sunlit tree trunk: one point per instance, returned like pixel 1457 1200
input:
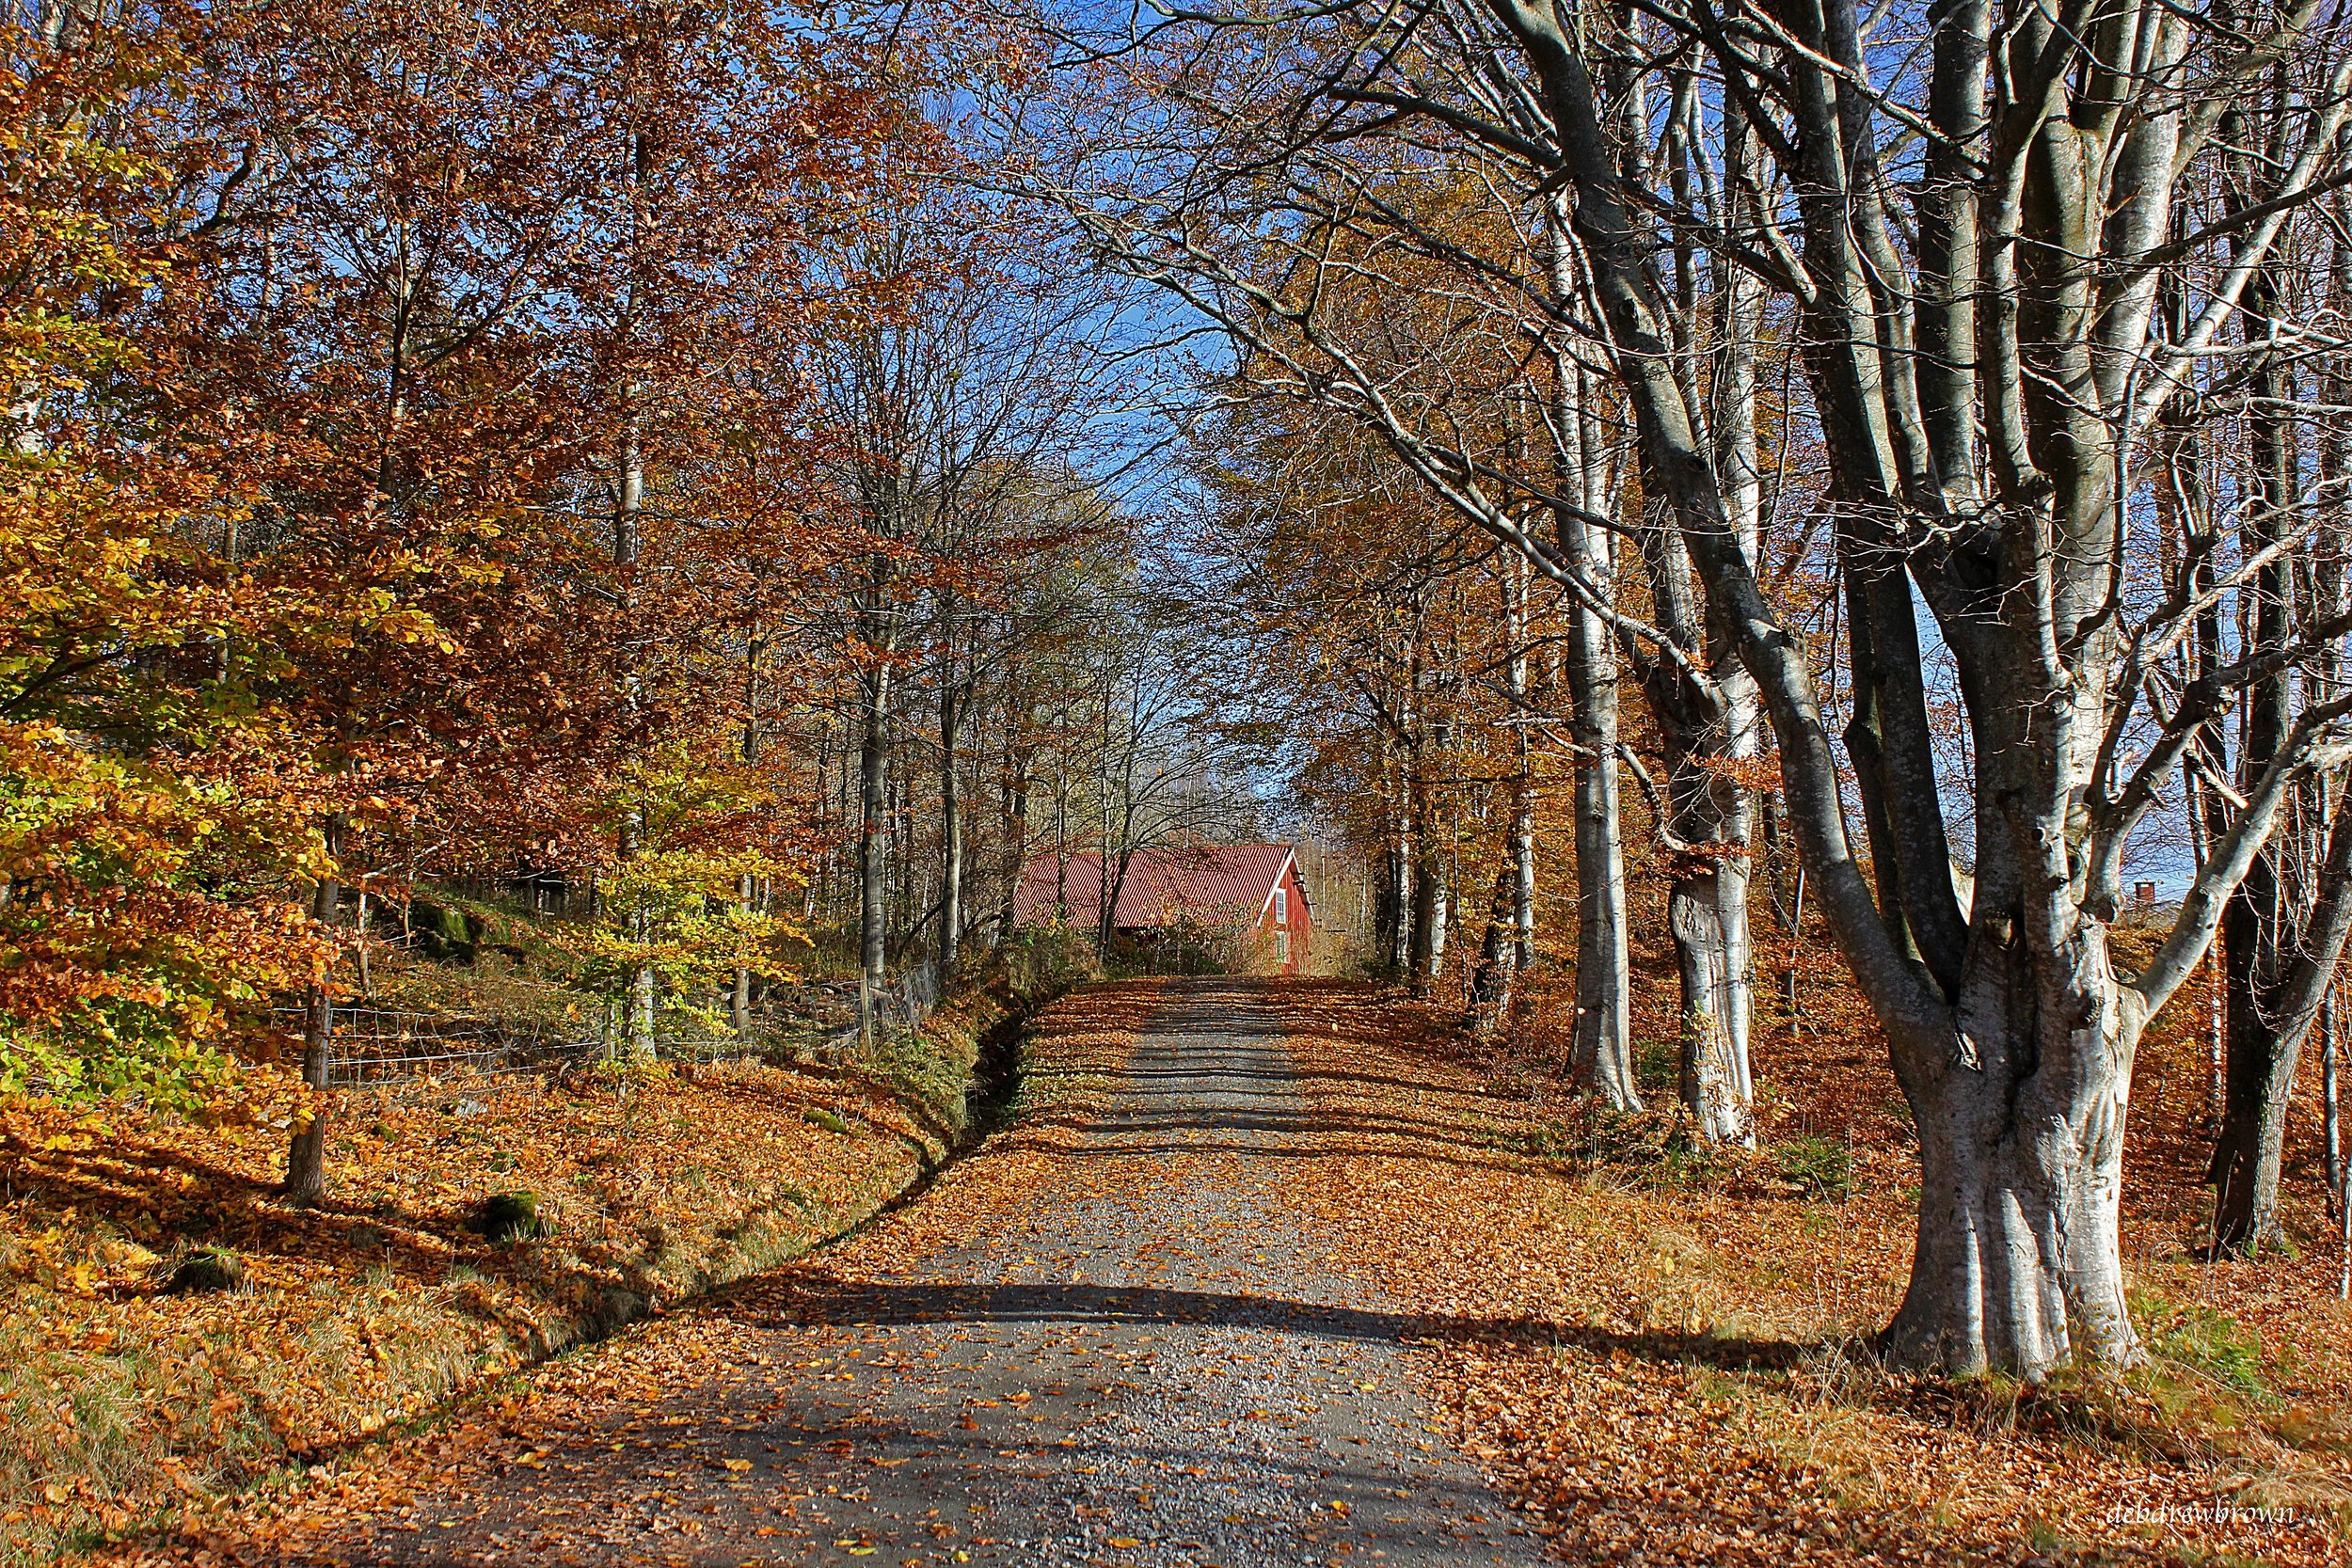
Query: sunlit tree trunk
pixel 1600 1050
pixel 746 886
pixel 628 544
pixel 306 1156
pixel 873 866
pixel 1520 947
pixel 950 807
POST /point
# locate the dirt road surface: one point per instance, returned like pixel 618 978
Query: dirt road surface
pixel 1105 1338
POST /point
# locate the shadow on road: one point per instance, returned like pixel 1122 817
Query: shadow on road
pixel 811 1295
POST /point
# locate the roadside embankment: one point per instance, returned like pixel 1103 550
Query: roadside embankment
pixel 125 1395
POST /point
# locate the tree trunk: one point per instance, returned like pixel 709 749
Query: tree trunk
pixel 2018 1261
pixel 1523 878
pixel 1520 866
pixel 1490 978
pixel 2259 930
pixel 745 885
pixel 1016 843
pixel 873 866
pixel 2331 1103
pixel 306 1156
pixel 2245 1162
pixel 742 999
pixel 1707 821
pixel 1706 912
pixel 1600 1052
pixel 627 543
pixel 1431 911
pixel 1402 898
pixel 2339 1175
pixel 950 835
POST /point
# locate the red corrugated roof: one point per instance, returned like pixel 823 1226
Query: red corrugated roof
pixel 1237 878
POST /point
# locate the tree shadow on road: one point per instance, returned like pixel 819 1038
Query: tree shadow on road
pixel 815 1295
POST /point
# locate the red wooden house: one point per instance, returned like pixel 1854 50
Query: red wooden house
pixel 1248 888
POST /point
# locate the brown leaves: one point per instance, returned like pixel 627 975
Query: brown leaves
pixel 376 1307
pixel 1691 1386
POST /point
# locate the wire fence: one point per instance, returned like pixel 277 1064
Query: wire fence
pixel 906 1002
pixel 370 1046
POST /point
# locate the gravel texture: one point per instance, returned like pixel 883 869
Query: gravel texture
pixel 1141 1358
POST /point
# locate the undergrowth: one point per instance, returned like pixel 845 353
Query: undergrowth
pixel 651 1182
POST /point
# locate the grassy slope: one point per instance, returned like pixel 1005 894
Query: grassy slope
pixel 118 1399
pixel 1070 1052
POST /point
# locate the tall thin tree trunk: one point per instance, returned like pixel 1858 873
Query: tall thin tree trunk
pixel 873 844
pixel 2331 1132
pixel 1522 865
pixel 626 547
pixel 1601 1046
pixel 306 1156
pixel 2259 928
pixel 1016 847
pixel 745 886
pixel 950 831
pixel 2330 1104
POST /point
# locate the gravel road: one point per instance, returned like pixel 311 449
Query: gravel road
pixel 1141 1361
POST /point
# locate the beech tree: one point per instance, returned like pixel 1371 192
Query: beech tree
pixel 1986 372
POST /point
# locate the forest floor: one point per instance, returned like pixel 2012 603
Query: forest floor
pixel 1286 1272
pixel 122 1400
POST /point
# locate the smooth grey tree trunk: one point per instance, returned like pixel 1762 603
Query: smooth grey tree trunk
pixel 873 866
pixel 950 832
pixel 2018 1261
pixel 627 546
pixel 1432 910
pixel 1707 822
pixel 1522 865
pixel 1601 1045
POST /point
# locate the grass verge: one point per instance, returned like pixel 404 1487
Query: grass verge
pixel 123 1399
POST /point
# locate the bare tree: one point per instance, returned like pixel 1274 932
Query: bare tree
pixel 1985 374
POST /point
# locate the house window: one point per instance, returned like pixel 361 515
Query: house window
pixel 1282 907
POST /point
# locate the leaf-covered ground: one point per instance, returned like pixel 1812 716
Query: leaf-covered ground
pixel 1101 1337
pixel 1690 1386
pixel 1655 1354
pixel 119 1398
